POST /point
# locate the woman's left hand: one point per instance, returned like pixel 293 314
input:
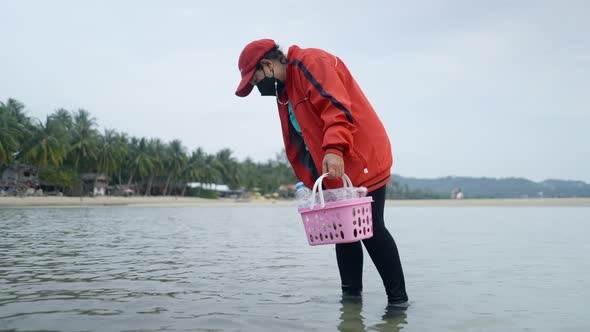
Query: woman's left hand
pixel 333 164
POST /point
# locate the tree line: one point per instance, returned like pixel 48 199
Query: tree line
pixel 67 144
pixel 482 187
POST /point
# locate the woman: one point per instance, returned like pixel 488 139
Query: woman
pixel 329 125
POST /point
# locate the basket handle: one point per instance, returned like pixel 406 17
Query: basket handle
pixel 317 187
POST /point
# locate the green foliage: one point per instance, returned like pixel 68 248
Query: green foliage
pixel 85 139
pixel 271 174
pixel 110 153
pixel 397 191
pixel 10 136
pixel 493 188
pixel 65 179
pixel 202 193
pixel 68 144
pixel 46 144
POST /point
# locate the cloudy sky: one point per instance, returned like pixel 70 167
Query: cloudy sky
pixel 473 88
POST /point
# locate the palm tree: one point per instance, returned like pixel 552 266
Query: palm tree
pixel 17 110
pixel 194 167
pixel 85 139
pixel 142 161
pixel 48 144
pixel 176 161
pixel 109 154
pixel 64 117
pixel 210 173
pixel 132 150
pixel 157 150
pixel 229 168
pixel 122 144
pixel 248 173
pixel 84 143
pixel 10 136
pixel 16 124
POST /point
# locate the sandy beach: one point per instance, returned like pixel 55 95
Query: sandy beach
pixel 191 201
pixel 127 201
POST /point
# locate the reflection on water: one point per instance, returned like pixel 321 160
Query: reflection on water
pixel 250 269
pixel 352 319
pixel 394 319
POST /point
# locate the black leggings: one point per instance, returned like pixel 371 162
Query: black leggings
pixel 383 251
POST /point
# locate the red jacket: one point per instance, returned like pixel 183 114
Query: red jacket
pixel 335 117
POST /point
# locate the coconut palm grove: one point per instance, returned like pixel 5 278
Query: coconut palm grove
pixel 67 147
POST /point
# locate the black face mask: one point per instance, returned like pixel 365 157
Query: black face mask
pixel 267 86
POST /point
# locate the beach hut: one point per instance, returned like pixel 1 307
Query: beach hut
pixel 19 179
pixel 94 184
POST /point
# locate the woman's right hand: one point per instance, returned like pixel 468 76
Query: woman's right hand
pixel 333 164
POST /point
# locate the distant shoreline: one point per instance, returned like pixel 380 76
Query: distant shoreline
pixel 583 202
pixel 154 201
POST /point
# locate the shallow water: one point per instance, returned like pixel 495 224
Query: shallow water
pixel 250 269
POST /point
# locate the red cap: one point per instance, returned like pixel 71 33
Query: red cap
pixel 249 58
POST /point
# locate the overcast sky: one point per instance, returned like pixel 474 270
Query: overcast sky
pixel 465 88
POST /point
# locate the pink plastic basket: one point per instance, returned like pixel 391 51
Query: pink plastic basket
pixel 342 221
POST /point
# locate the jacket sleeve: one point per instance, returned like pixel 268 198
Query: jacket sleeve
pixel 328 95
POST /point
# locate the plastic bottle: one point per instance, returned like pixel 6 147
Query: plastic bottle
pixel 360 192
pixel 302 194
